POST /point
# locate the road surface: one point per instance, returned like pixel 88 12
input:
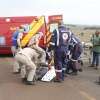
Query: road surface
pixel 80 87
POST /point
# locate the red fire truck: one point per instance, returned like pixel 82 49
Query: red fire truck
pixel 8 25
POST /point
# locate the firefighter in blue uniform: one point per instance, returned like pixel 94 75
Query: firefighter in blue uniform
pixel 59 42
pixel 75 50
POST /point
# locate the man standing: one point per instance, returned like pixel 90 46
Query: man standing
pixel 16 45
pixel 96 49
pixel 59 41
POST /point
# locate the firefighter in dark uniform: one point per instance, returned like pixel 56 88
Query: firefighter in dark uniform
pixel 59 42
pixel 75 50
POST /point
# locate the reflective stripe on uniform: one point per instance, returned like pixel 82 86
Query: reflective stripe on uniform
pixel 52 43
pixel 58 70
pixel 57 37
pixel 73 59
pixel 74 40
pixel 63 69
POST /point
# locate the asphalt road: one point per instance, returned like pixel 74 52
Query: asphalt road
pixel 80 87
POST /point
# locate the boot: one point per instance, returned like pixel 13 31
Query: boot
pixel 74 73
pixel 58 77
pixel 96 67
pixel 91 65
pixel 30 83
pixel 57 80
pixel 80 70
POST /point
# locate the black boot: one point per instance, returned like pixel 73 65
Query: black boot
pixel 74 73
pixel 30 83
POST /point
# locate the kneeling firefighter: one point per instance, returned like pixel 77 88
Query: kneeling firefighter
pixel 76 49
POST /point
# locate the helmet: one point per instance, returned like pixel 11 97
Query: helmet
pixel 63 29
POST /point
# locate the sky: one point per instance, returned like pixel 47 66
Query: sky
pixel 84 12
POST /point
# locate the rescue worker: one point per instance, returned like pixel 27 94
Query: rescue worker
pixel 59 42
pixel 16 45
pixel 26 57
pixel 14 41
pixel 35 44
pixel 76 48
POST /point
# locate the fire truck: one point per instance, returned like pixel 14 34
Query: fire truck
pixel 37 24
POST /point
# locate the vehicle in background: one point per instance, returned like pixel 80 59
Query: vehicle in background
pixel 9 24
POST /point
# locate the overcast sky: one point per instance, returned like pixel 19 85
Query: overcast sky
pixel 74 11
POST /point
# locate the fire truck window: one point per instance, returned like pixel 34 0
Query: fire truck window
pixel 7 19
pixel 53 26
pixel 2 40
